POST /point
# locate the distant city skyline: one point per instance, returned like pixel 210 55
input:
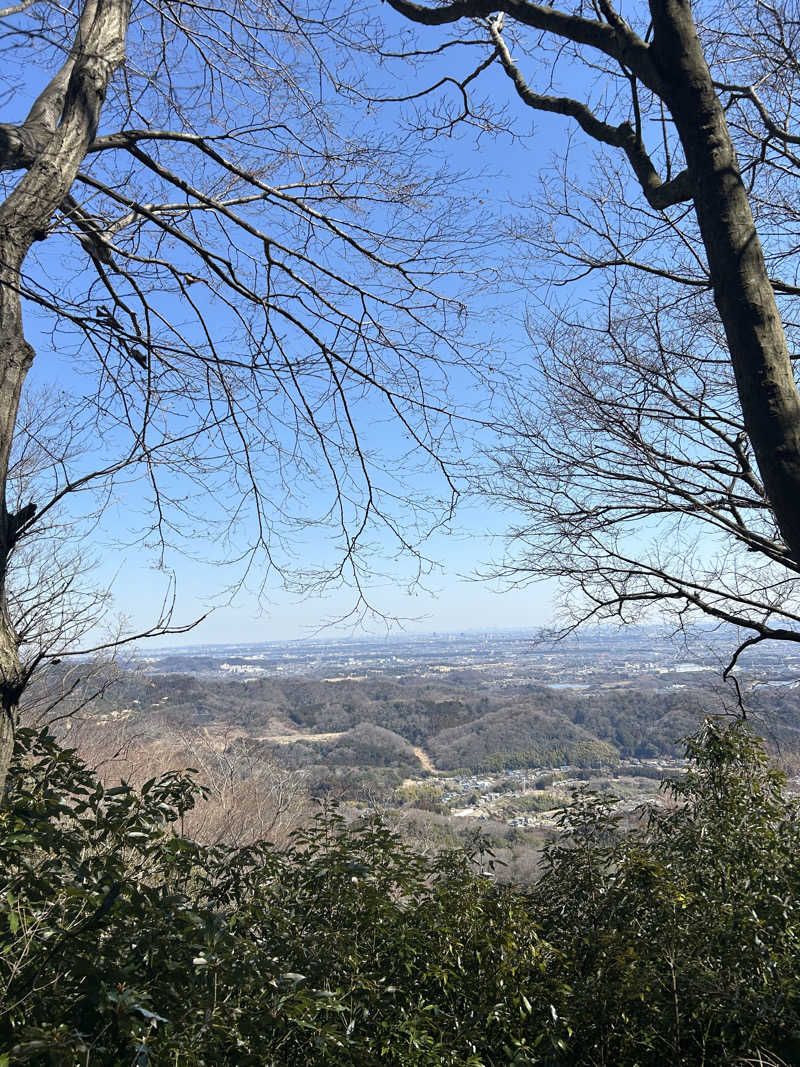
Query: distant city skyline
pixel 459 606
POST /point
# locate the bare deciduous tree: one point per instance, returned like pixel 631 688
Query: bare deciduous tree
pixel 248 797
pixel 634 479
pixel 238 272
pixel 661 463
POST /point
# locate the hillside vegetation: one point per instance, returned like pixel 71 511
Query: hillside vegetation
pixel 123 941
pixel 360 736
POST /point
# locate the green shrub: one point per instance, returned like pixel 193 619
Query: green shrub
pixel 678 942
pixel 121 942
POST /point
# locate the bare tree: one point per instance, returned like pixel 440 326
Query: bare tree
pixel 240 273
pixel 247 796
pixel 661 461
pixel 632 473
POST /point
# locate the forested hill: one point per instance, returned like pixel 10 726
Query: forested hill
pixel 453 723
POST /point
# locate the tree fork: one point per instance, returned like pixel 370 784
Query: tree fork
pixel 69 110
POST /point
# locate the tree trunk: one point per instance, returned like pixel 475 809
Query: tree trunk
pixel 6 747
pixel 12 682
pixel 16 357
pixel 69 110
pixel 742 289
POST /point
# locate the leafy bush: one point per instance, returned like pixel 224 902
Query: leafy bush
pixel 678 942
pixel 121 942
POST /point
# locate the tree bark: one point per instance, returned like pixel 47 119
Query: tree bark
pixel 16 357
pixel 69 108
pixel 742 290
pixel 6 748
pixel 673 67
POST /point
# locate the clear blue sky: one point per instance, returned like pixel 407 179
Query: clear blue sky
pixel 447 598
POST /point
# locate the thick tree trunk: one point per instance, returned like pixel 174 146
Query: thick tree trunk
pixel 16 357
pixel 742 290
pixel 58 131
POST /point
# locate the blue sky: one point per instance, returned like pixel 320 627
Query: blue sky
pixel 450 597
pixel 232 369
